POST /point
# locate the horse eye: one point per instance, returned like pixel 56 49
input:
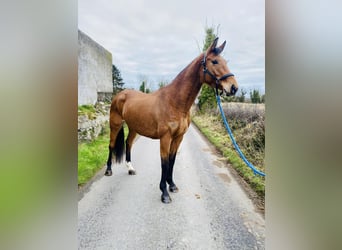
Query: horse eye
pixel 214 62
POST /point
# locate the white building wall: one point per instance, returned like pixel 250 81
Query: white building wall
pixel 94 70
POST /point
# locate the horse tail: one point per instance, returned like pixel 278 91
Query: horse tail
pixel 119 145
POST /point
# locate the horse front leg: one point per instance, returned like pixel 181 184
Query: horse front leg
pixel 172 158
pixel 172 186
pixel 165 143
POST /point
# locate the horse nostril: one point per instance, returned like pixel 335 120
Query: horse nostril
pixel 233 90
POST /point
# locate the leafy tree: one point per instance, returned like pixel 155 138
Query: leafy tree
pixel 162 84
pixel 117 80
pixel 207 99
pixel 230 98
pixel 241 98
pixel 255 96
pixel 143 87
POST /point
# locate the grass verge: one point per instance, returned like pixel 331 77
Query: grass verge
pixel 88 110
pixel 216 134
pixel 92 156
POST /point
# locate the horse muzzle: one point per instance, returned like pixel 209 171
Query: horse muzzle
pixel 232 91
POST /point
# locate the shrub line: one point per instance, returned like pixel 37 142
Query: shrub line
pixel 257 183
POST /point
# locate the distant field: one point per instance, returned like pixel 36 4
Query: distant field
pixel 244 110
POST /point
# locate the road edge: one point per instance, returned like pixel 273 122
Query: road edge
pixel 84 188
pixel 258 202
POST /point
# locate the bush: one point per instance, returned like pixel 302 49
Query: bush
pixel 248 124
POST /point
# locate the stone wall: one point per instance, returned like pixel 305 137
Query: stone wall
pixel 91 125
pixel 94 70
pixel 104 97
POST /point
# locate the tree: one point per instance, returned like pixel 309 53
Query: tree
pixel 143 87
pixel 117 80
pixel 162 84
pixel 241 98
pixel 207 99
pixel 255 96
pixel 234 98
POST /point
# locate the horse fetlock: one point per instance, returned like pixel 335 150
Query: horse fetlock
pixel 162 187
pixel 173 188
pixel 108 172
pixel 131 170
pixel 165 198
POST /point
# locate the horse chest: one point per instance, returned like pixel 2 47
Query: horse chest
pixel 178 127
pixel 173 126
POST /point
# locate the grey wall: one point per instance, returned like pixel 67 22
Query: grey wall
pixel 94 70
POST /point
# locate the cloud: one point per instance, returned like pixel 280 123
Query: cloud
pixel 159 38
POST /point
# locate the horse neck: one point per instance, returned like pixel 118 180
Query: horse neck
pixel 185 87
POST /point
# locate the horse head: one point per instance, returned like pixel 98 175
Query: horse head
pixel 217 73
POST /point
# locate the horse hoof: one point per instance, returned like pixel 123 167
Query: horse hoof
pixel 173 189
pixel 108 173
pixel 166 199
pixel 131 172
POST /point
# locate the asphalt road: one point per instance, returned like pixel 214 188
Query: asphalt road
pixel 210 211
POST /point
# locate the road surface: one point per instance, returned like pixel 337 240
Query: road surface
pixel 210 211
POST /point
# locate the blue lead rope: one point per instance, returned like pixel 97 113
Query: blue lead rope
pixel 233 139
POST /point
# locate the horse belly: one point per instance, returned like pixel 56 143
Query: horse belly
pixel 141 121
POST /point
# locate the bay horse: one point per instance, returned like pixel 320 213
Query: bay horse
pixel 165 113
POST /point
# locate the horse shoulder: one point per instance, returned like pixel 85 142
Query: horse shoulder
pixel 179 126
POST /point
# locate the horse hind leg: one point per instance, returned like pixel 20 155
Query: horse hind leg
pixel 109 162
pixel 129 143
pixel 116 145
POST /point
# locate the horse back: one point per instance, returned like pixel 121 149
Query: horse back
pixel 149 114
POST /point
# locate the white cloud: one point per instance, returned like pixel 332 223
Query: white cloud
pixel 159 38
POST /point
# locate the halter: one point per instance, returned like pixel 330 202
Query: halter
pixel 206 71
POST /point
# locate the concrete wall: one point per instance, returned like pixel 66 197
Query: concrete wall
pixel 94 70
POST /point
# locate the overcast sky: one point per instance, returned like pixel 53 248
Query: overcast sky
pixel 156 39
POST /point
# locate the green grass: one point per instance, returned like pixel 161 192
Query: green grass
pixel 88 110
pixel 216 134
pixel 92 156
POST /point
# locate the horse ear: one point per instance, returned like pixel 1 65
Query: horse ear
pixel 213 46
pixel 221 48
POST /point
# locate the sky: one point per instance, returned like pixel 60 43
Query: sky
pixel 154 40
